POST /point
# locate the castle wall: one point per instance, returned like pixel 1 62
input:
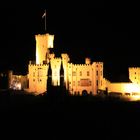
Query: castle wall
pixel 38 78
pixel 124 88
pixel 134 74
pixel 85 77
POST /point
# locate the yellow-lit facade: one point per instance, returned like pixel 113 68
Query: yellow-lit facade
pixel 43 43
pixel 78 78
pixel 37 78
pixel 17 82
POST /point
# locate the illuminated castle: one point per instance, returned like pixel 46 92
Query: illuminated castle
pixel 78 78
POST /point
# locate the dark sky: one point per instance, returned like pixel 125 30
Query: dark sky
pixel 106 31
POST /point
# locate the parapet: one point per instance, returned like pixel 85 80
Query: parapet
pixel 134 68
pixel 45 39
pixel 36 65
pixel 43 36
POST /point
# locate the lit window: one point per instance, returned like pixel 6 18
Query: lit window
pixel 87 73
pixel 74 73
pixel 80 73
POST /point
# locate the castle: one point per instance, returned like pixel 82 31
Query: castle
pixel 77 78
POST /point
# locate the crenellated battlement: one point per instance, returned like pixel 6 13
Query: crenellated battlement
pixel 100 63
pixel 44 36
pixel 134 68
pixel 37 65
pixel 82 65
pixel 56 59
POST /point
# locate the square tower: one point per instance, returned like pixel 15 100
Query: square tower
pixel 43 43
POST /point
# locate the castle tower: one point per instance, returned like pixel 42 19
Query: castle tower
pixel 97 76
pixel 134 74
pixel 55 67
pixel 43 43
pixel 38 78
pixel 65 60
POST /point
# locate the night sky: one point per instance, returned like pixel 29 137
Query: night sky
pixel 105 31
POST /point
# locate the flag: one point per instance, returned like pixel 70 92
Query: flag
pixel 44 14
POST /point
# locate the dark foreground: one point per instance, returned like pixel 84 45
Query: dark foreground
pixel 93 116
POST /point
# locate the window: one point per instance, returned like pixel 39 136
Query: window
pixel 73 73
pixel 127 94
pixel 85 82
pixel 97 73
pixel 101 82
pixel 87 73
pixel 101 73
pixel 33 80
pixel 135 72
pixel 78 93
pixel 78 83
pixel 80 73
pixel 33 74
pixel 97 82
pixel 89 83
pixel 73 83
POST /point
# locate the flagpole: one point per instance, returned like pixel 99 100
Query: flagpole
pixel 45 19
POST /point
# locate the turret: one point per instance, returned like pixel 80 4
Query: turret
pixel 87 61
